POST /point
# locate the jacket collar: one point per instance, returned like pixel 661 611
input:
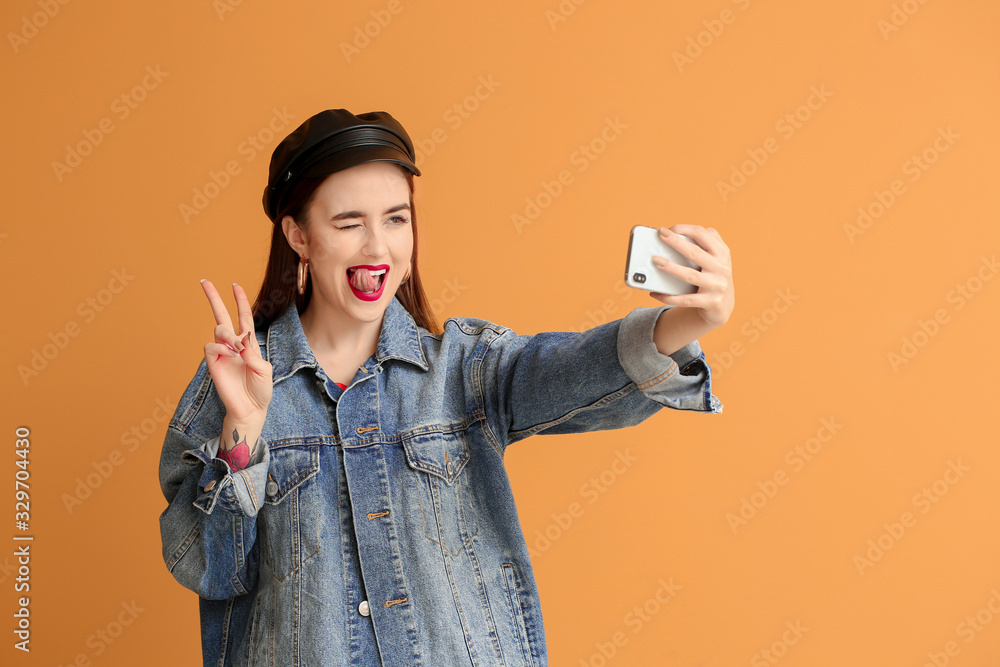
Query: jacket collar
pixel 288 350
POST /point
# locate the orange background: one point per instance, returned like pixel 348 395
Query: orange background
pixel 687 126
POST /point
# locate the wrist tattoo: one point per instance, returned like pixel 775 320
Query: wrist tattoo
pixel 239 456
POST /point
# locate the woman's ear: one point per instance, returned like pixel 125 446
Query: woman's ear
pixel 295 235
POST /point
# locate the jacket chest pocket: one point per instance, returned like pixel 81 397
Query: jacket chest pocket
pixel 438 461
pixel 291 516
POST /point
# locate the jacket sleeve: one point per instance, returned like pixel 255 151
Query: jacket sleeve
pixel 608 377
pixel 209 528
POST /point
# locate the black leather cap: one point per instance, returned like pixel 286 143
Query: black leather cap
pixel 331 141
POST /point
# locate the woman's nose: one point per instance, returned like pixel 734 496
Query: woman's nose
pixel 374 245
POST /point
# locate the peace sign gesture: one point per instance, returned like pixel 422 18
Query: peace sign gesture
pixel 241 375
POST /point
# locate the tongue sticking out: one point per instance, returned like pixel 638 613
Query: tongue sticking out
pixel 364 281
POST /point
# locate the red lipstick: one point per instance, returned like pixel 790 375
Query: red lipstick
pixel 368 296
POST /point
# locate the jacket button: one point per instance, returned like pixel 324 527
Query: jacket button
pixel 272 488
pixel 363 608
pixel 210 485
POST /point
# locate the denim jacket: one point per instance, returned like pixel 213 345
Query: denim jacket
pixel 376 525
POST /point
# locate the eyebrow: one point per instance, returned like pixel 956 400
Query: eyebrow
pixel 359 214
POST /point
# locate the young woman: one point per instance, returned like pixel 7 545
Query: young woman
pixel 334 472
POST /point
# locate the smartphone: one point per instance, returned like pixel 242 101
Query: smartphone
pixel 640 272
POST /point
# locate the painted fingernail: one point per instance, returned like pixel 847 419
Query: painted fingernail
pixel 202 280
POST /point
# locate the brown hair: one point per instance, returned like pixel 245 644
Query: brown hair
pixel 279 287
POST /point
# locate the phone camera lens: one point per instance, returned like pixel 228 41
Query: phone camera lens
pixel 639 277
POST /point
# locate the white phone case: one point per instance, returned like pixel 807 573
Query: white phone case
pixel 640 272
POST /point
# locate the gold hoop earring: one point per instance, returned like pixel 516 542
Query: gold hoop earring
pixel 303 274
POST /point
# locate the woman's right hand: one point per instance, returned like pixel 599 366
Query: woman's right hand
pixel 242 376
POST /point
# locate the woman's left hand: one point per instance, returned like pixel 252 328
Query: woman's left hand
pixel 714 301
